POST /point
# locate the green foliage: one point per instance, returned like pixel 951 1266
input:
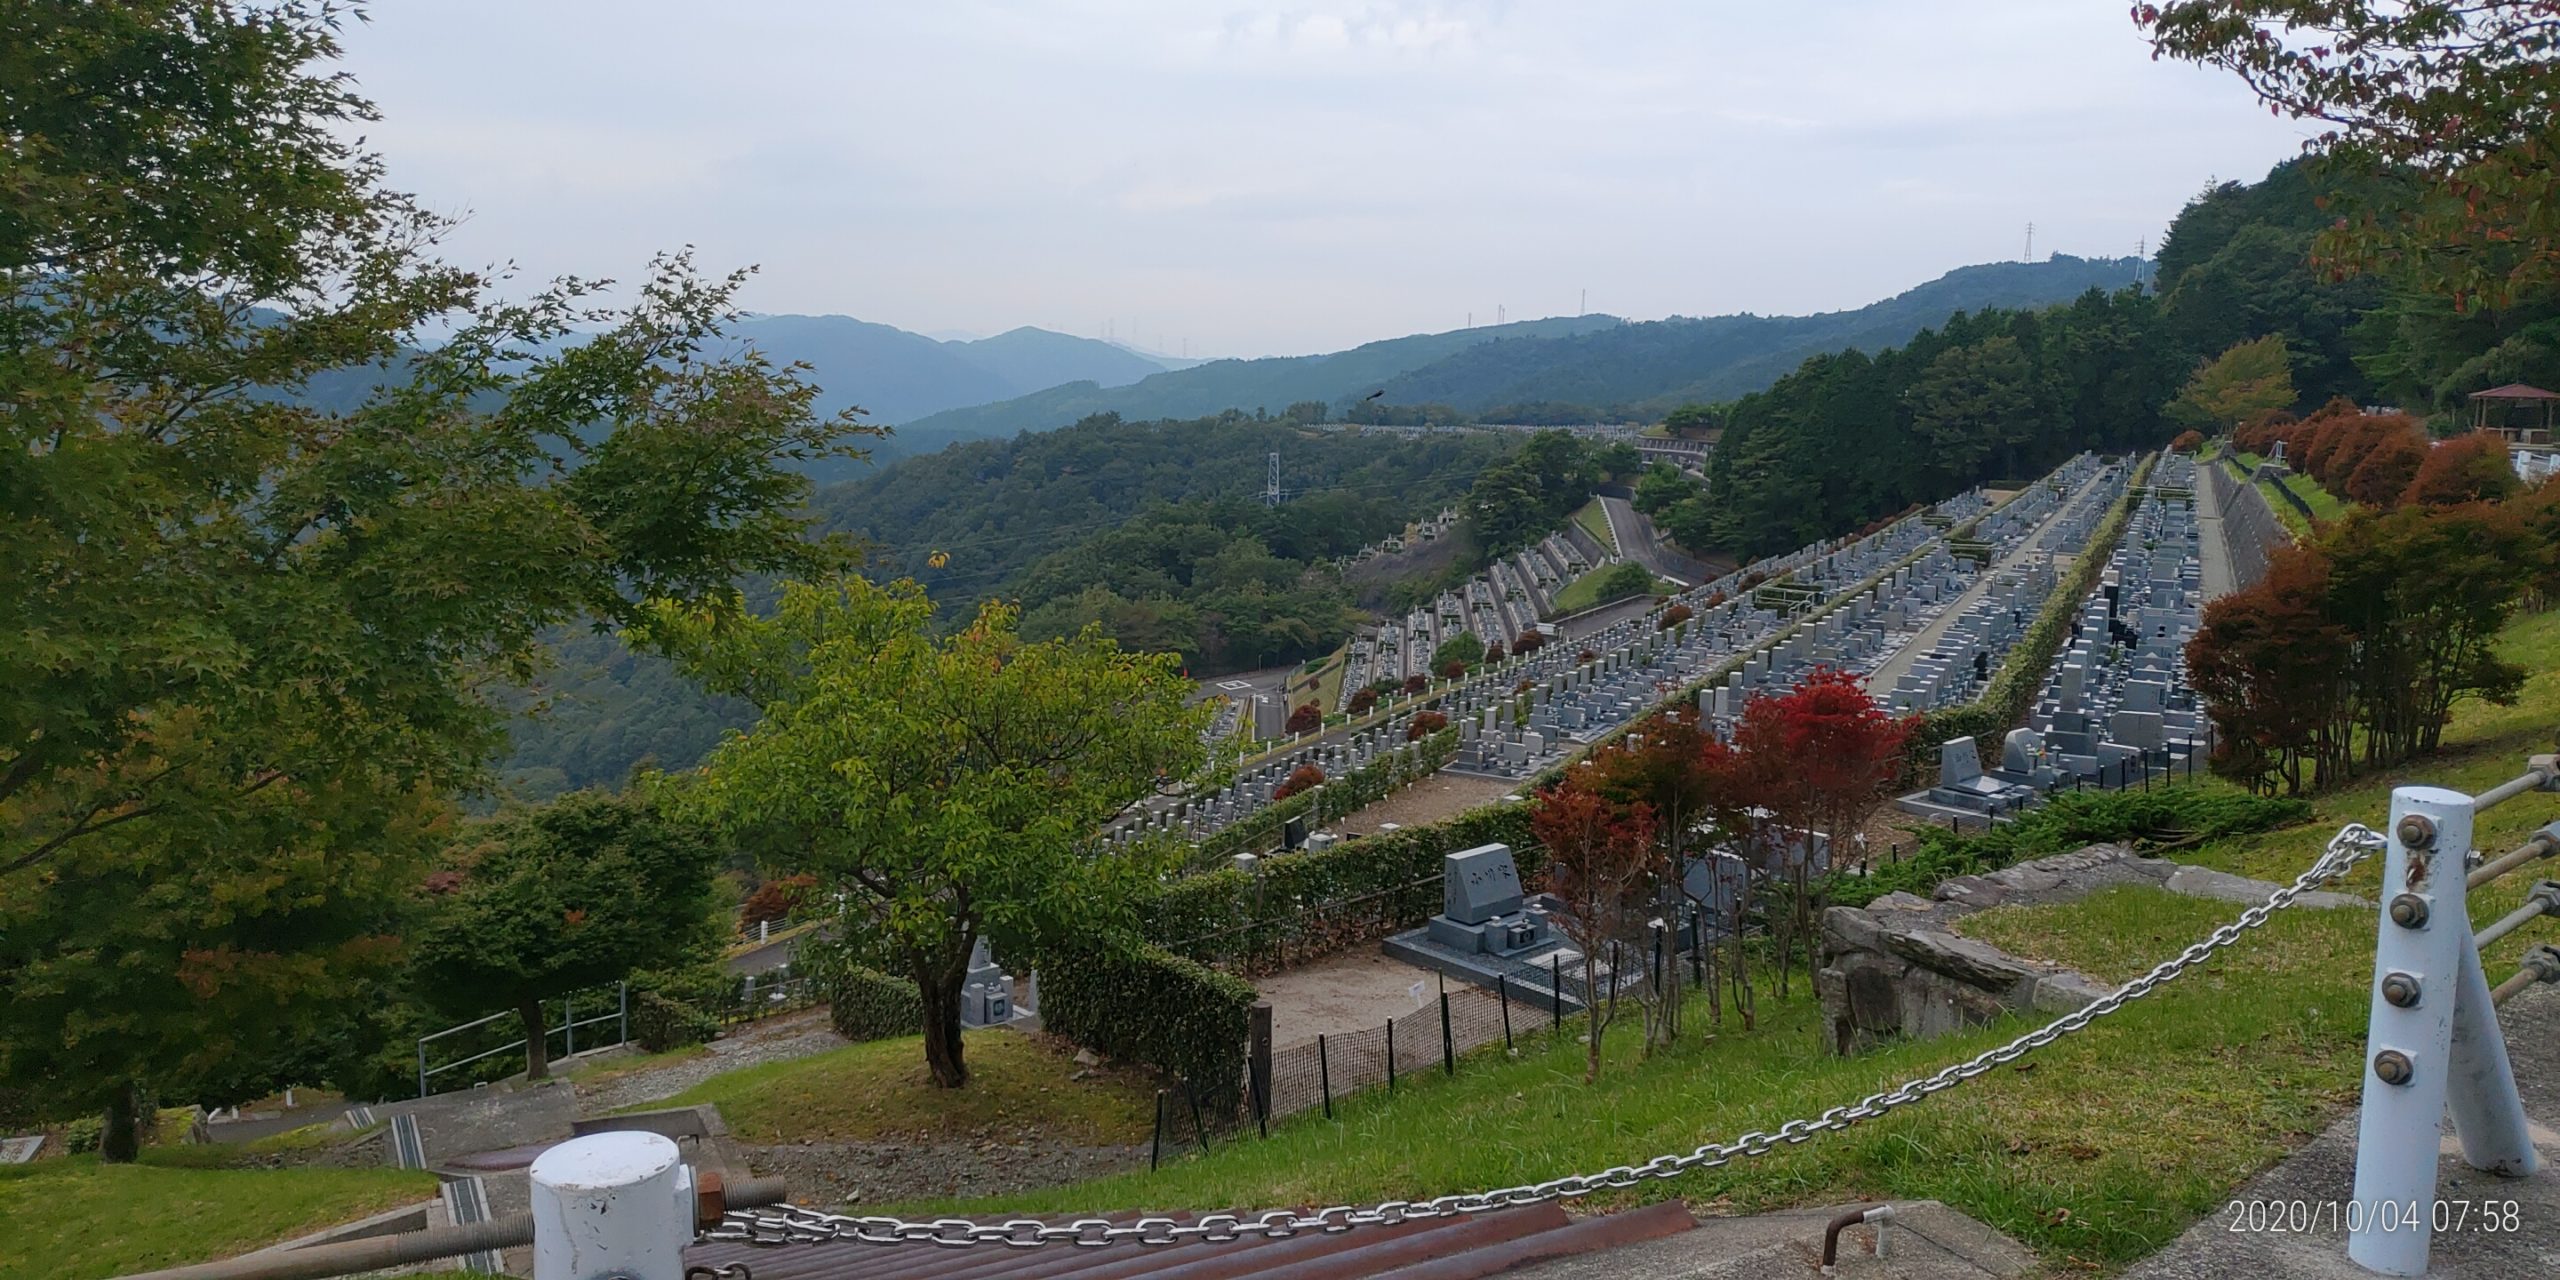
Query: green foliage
pixel 1520 500
pixel 2066 822
pixel 1146 1005
pixel 2249 379
pixel 1993 395
pixel 660 1023
pixel 577 893
pixel 1314 902
pixel 866 1004
pixel 1464 647
pixel 953 786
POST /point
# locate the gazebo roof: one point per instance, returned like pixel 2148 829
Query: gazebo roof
pixel 2515 391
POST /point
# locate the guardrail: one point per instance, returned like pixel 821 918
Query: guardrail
pixel 619 1015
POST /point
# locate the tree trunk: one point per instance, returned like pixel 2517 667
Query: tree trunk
pixel 537 1041
pixel 120 1132
pixel 1591 998
pixel 941 993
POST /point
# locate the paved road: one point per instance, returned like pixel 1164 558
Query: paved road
pixel 1640 542
pixel 2213 536
pixel 1884 677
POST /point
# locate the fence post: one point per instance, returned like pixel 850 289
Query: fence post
pixel 2427 1047
pixel 1448 1052
pixel 1555 989
pixel 611 1204
pixel 1391 1054
pixel 1260 1064
pixel 422 1068
pixel 1324 1075
pixel 1155 1143
pixel 1502 988
pixel 1199 1127
pixel 569 1024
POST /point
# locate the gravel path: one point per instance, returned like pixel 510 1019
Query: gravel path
pixel 827 1173
pixel 779 1040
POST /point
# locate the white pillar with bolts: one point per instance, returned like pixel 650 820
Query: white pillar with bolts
pixel 2432 1041
pixel 612 1206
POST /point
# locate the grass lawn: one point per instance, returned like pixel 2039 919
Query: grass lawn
pixel 75 1219
pixel 1584 592
pixel 2087 1159
pixel 1596 523
pixel 878 1090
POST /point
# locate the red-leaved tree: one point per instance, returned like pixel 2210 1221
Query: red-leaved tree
pixel 1823 756
pixel 1599 864
pixel 1425 723
pixel 1307 718
pixel 2274 674
pixel 2388 467
pixel 2467 468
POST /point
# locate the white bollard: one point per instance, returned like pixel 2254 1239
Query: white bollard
pixel 616 1205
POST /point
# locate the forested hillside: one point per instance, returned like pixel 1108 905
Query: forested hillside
pixel 1220 385
pixel 1644 370
pixel 1152 529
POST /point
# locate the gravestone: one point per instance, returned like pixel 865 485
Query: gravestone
pixel 1483 910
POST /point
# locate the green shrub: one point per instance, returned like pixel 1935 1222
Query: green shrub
pixel 866 1004
pixel 2070 821
pixel 1149 1006
pixel 661 1023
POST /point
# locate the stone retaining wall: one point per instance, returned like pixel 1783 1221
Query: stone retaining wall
pixel 1896 968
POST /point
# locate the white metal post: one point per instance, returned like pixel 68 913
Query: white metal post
pixel 2417 965
pixel 611 1205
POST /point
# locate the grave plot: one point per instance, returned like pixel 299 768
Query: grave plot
pixel 2115 708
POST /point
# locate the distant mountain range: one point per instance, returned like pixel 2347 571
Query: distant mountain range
pixel 1599 361
pixel 939 392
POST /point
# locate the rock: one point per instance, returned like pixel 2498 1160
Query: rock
pixel 2027 878
pixel 1976 963
pixel 1087 1058
pixel 2067 992
pixel 1900 901
pixel 1971 891
pixel 2222 886
pixel 1849 929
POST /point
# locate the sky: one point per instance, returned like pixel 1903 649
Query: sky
pixel 1212 179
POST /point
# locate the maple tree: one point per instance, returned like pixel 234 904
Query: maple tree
pixel 2467 468
pixel 2389 463
pixel 1819 758
pixel 2272 670
pixel 1599 865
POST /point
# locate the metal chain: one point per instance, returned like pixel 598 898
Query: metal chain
pixel 789 1224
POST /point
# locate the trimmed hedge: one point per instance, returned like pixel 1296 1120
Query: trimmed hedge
pixel 866 1004
pixel 1314 902
pixel 660 1023
pixel 1337 798
pixel 1146 1005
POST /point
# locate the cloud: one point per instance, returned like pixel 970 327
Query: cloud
pixel 1294 177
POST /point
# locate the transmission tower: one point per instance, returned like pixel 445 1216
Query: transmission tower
pixel 1271 493
pixel 2031 243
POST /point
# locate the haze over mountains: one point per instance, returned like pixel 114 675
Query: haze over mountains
pixel 1599 361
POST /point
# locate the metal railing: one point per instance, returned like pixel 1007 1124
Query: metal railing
pixel 2433 1039
pixel 619 1014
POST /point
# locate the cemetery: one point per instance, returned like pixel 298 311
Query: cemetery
pixel 2114 709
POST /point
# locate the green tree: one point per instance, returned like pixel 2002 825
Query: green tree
pixel 1976 405
pixel 327 591
pixel 1463 647
pixel 1690 420
pixel 2249 379
pixel 260 548
pixel 1662 487
pixel 956 787
pixel 585 890
pixel 202 961
pixel 2457 97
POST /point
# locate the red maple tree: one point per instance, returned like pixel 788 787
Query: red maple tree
pixel 1599 864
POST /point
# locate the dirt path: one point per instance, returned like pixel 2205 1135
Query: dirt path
pixel 776 1040
pixel 1439 796
pixel 1354 991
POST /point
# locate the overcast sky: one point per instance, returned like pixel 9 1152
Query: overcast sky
pixel 1251 180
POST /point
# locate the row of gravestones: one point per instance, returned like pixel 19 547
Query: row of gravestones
pixel 2116 706
pixel 1571 703
pixel 1964 656
pixel 1863 633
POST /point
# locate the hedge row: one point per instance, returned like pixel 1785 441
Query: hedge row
pixel 866 1004
pixel 1337 798
pixel 660 1022
pixel 1149 1006
pixel 2012 693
